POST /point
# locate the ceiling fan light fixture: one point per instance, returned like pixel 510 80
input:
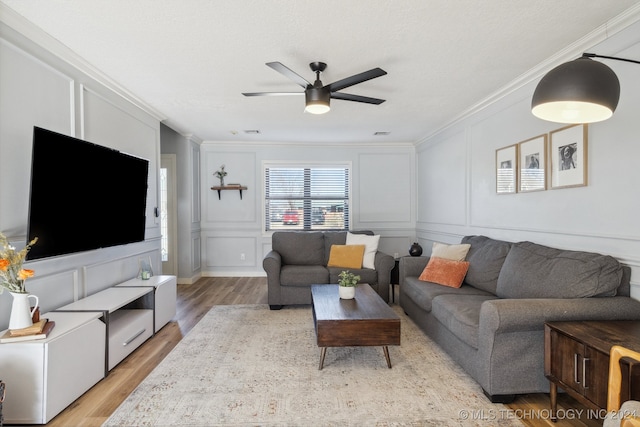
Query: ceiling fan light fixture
pixel 579 91
pixel 317 101
pixel 317 95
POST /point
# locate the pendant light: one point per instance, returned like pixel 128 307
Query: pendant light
pixel 579 91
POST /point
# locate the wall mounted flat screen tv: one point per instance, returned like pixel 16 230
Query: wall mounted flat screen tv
pixel 83 196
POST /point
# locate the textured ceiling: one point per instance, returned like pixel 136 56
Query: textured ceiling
pixel 190 60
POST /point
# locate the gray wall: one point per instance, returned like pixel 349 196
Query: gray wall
pixel 383 190
pixel 40 89
pixel 187 153
pixel 456 175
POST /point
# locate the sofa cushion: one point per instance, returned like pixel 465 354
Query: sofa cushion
pixel 371 247
pixel 452 252
pixel 460 314
pixel 366 274
pixel 338 238
pixel 299 248
pixel 423 293
pixel 536 271
pixel 445 272
pixel 303 275
pixel 346 256
pixel 485 257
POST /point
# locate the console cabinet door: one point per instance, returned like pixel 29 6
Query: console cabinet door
pixel 569 356
pixel 580 367
pixel 597 377
pixel 44 377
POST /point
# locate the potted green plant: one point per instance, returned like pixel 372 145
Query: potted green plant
pixel 347 284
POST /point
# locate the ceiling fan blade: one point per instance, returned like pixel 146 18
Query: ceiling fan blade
pixel 289 73
pixel 355 79
pixel 271 93
pixel 356 98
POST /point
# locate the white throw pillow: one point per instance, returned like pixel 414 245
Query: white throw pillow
pixel 452 252
pixel 370 247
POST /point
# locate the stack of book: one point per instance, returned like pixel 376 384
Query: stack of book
pixel 39 330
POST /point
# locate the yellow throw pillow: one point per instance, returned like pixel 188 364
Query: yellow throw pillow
pixel 445 272
pixel 346 256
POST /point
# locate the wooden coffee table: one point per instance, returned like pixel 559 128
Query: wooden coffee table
pixel 365 320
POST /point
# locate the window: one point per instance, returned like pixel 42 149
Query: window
pixel 307 197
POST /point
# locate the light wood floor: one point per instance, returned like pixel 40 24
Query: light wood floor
pixel 95 406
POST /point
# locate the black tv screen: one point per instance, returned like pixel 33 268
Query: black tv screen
pixel 83 196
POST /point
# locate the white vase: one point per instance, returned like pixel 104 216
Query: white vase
pixel 346 292
pixel 21 312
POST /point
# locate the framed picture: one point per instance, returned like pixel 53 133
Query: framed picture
pixel 506 169
pixel 532 159
pixel 568 154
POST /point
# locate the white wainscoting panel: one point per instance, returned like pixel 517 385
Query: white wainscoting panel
pixel 31 93
pixel 384 188
pixel 229 208
pixel 110 272
pixel 442 182
pixel 227 252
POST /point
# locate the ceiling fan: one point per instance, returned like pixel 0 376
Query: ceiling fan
pixel 318 95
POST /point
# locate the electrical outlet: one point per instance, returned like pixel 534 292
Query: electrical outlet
pixel 396 255
pixel 242 257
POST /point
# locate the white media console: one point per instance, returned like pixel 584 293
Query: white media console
pixel 91 337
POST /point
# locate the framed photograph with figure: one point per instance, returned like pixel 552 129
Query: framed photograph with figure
pixel 568 151
pixel 506 169
pixel 532 162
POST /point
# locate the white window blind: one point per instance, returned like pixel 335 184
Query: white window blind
pixel 307 198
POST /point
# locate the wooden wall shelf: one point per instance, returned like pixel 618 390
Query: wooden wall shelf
pixel 234 187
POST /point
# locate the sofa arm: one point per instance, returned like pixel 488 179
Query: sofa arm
pixel 383 264
pixel 272 263
pixel 516 315
pixel 411 266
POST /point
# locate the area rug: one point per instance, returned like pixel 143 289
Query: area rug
pixel 246 365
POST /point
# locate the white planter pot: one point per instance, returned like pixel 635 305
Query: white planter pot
pixel 346 292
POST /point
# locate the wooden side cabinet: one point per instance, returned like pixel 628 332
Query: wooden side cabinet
pixel 577 358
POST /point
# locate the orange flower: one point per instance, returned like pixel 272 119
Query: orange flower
pixel 25 274
pixel 4 264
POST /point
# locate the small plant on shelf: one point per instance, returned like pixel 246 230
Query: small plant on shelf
pixel 221 174
pixel 348 279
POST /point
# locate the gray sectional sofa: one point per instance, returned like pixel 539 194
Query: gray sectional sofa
pixel 493 325
pixel 299 259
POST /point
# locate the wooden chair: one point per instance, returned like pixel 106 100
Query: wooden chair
pixel 627 414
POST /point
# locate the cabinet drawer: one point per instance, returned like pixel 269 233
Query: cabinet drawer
pixel 128 329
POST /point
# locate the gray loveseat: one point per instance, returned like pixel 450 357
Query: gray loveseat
pixel 493 325
pixel 299 259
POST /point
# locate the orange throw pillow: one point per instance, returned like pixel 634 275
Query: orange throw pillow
pixel 346 256
pixel 445 272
